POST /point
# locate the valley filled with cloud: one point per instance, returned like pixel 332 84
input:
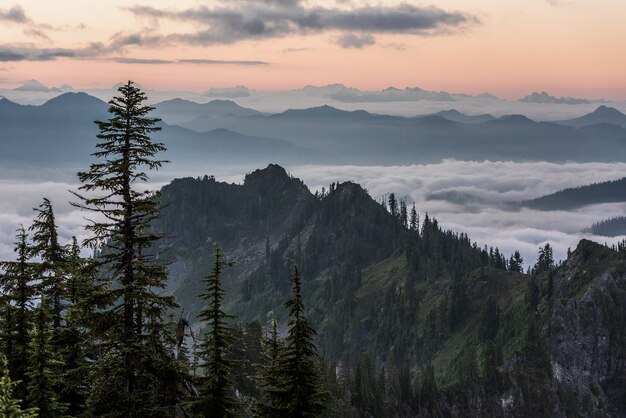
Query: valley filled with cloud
pixel 477 198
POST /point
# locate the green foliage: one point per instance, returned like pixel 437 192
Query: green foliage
pixel 490 319
pixel 516 262
pixel 301 392
pixel 269 376
pixel 44 367
pixel 17 304
pixel 9 406
pixel 545 261
pixel 52 268
pixel 133 339
pixel 217 387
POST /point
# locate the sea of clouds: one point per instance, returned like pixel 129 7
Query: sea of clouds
pixel 486 217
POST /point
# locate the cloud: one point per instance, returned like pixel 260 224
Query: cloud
pixel 241 20
pixel 485 219
pixel 15 14
pixel 352 40
pixel 32 53
pixel 130 60
pixel 221 62
pixel 36 33
pixel 291 50
pixel 29 52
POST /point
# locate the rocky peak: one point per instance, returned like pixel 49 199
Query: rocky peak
pixel 274 179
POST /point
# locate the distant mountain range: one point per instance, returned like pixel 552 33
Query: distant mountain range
pixel 544 97
pixel 177 111
pixel 36 86
pixel 62 130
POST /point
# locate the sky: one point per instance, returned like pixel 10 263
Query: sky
pixel 508 48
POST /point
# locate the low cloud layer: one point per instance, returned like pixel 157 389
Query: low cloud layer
pixel 485 218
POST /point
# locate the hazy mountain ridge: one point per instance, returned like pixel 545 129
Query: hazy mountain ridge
pixel 62 130
pixel 602 115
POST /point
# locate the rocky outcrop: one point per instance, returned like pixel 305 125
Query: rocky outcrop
pixel 585 334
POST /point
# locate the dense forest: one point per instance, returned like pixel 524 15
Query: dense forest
pixel 612 227
pixel 336 305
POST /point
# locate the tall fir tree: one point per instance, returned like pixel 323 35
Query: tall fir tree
pixel 269 374
pixel 217 392
pixel 404 215
pixel 18 288
pixel 53 258
pixel 43 368
pixel 133 339
pixel 71 339
pixel 301 393
pixel 393 204
pixel 414 222
pixel 516 262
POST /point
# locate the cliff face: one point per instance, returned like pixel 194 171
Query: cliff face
pixel 586 332
pixel 576 364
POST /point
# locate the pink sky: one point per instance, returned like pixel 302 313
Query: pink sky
pixel 508 48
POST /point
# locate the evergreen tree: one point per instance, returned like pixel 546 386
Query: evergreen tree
pixel 414 222
pixel 269 375
pixel 9 406
pixel 16 284
pixel 133 342
pixel 404 217
pixel 393 204
pixel 217 392
pixel 53 258
pixel 72 341
pixel 43 368
pixel 516 262
pixel 301 391
pixel 545 261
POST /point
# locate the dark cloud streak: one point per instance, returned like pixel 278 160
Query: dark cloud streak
pixel 351 40
pixel 129 60
pixel 241 20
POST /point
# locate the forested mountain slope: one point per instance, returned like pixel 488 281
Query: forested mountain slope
pixel 397 303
